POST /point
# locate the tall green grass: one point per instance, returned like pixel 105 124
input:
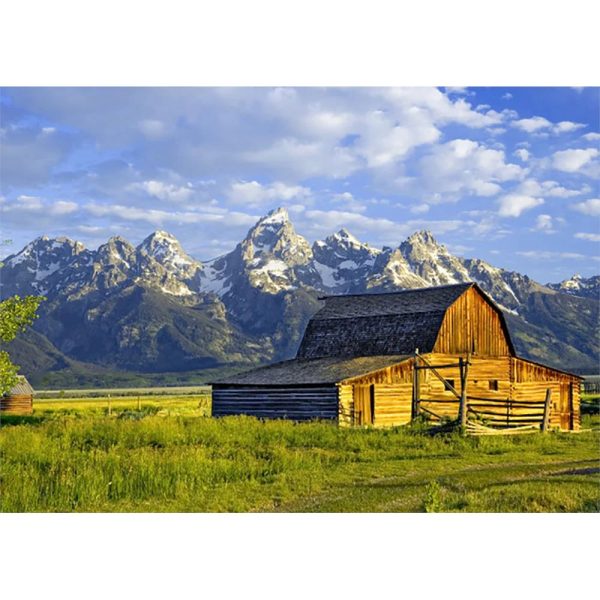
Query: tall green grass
pixel 151 463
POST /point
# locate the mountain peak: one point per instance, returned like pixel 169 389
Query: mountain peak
pixel 276 216
pixel 424 236
pixel 345 236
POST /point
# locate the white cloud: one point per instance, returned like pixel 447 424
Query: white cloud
pixel 567 127
pixel 590 237
pixel 532 124
pixel 549 188
pixel 570 161
pixel 545 224
pixel 538 124
pixel 28 203
pixel 589 207
pixel 349 202
pixel 63 207
pixel 591 137
pixel 302 159
pixel 383 141
pixel 513 205
pixel 555 190
pixel 507 96
pixel 159 217
pixel 522 154
pixel 253 193
pixel 34 204
pixel 464 167
pixel 419 209
pixel 164 191
pixel 545 254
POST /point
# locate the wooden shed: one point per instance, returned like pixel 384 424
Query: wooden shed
pixel 443 353
pixel 19 401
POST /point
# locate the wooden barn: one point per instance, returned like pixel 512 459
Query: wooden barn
pixel 444 353
pixel 19 401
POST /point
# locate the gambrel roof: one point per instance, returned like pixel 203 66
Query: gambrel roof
pixel 378 324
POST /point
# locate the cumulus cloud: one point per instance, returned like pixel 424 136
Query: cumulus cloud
pixel 539 124
pixel 590 237
pixel 465 167
pixel 159 217
pixel 35 204
pixel 571 161
pixel 567 126
pixel 591 137
pixel 522 153
pixel 589 207
pixel 349 202
pixel 532 124
pixel 513 205
pixel 164 191
pixel 549 255
pixel 545 224
pixel 548 188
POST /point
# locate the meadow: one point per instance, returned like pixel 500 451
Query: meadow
pixel 156 454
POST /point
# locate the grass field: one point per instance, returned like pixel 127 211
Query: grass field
pixel 168 456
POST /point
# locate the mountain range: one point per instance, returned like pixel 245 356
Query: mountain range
pixel 153 309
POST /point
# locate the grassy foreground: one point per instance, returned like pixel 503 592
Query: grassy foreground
pixel 72 456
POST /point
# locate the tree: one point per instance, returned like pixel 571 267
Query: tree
pixel 16 314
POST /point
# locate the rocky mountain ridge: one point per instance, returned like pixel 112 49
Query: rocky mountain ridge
pixel 152 307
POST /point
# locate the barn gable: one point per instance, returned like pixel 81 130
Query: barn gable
pixel 473 323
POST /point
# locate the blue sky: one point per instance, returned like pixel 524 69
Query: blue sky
pixel 509 175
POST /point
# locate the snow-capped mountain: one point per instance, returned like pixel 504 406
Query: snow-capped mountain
pixel 154 307
pixel 28 271
pixel 579 286
pixel 342 262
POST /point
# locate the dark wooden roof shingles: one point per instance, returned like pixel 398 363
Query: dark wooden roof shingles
pixel 301 371
pixel 374 324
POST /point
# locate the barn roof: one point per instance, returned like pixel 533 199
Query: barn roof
pixel 377 324
pixel 21 388
pixel 302 371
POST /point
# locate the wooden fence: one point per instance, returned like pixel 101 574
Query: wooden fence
pixel 477 415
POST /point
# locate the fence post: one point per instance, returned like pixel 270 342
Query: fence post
pixel 546 419
pixel 109 406
pixel 462 411
pixel 139 404
pixel 416 391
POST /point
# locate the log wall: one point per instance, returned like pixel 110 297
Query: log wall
pixel 300 403
pixel 16 405
pixel 472 324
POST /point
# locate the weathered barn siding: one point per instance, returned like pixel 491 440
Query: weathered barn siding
pixel 381 398
pixel 531 381
pixel 19 401
pixel 472 324
pixel 17 404
pixel 346 405
pixel 297 403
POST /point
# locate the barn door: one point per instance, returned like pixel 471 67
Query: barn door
pixel 364 404
pixel 565 406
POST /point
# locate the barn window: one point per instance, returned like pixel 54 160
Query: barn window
pixel 449 384
pixel 493 383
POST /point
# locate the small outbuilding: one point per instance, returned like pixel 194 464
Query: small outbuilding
pixel 442 353
pixel 19 400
